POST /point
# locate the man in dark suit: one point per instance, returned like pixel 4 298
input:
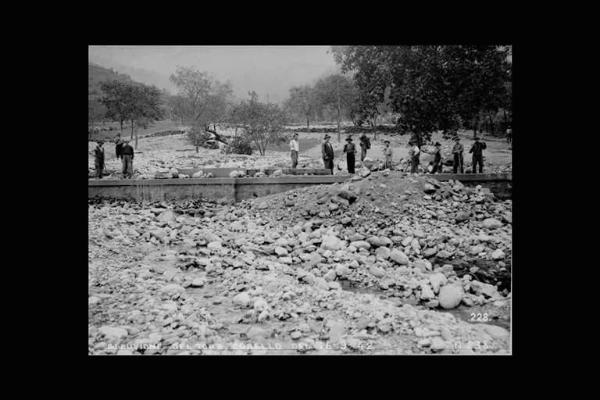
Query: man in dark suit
pixel 327 151
pixel 477 150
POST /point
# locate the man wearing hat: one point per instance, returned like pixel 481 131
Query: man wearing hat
pixel 327 151
pixel 350 149
pixel 387 152
pixel 99 159
pixel 414 157
pixel 127 158
pixel 457 151
pixel 477 150
pixel 118 146
pixel 365 144
pixel 294 150
pixel 437 158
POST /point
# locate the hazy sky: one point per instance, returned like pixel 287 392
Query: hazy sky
pixel 269 70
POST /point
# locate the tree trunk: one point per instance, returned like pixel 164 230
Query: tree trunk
pixel 197 149
pixel 131 138
pixel 136 139
pixel 475 128
pixel 338 118
pixel 307 123
pixel 491 123
pixel 505 120
pixel 121 127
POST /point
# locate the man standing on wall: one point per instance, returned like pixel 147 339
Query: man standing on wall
pixel 99 159
pixel 437 158
pixel 365 144
pixel 127 155
pixel 294 150
pixel 477 150
pixel 350 149
pixel 387 152
pixel 414 157
pixel 118 146
pixel 327 151
pixel 457 151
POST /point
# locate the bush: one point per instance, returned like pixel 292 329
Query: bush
pixel 238 145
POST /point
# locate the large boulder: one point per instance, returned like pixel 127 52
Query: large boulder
pixel 450 296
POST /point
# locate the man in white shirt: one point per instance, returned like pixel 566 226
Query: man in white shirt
pixel 414 157
pixel 294 150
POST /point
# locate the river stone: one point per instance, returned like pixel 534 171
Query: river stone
pixel 172 289
pixel 491 223
pixel 198 282
pixel 430 252
pixel 428 188
pixel 461 216
pixel 361 244
pixel 444 254
pixel 376 271
pixel 332 243
pixel 342 270
pixel 280 251
pixel 437 280
pixel 486 289
pixel 450 296
pixel 438 344
pixel 426 292
pixel 167 216
pixel 382 252
pixel 498 254
pixel 422 265
pixel 399 257
pixel 243 299
pixel 260 304
pixel 477 249
pixel 330 275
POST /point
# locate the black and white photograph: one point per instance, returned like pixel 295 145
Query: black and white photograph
pixel 345 200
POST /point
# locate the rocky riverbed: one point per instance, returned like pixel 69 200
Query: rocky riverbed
pixel 383 264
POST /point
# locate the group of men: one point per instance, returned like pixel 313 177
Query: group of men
pixel 414 154
pixel 477 151
pixel 123 151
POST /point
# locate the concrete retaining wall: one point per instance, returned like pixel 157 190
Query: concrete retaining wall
pixel 246 188
pixel 210 188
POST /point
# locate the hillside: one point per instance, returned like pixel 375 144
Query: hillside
pixel 98 74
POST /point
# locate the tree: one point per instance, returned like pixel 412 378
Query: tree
pixel 336 91
pixel 144 107
pixel 301 103
pixel 262 123
pixel 201 101
pixel 115 100
pixel 134 102
pixel 96 112
pixel 431 86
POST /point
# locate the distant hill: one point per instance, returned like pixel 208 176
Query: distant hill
pixel 98 74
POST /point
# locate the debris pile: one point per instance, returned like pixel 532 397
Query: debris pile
pixel 378 265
